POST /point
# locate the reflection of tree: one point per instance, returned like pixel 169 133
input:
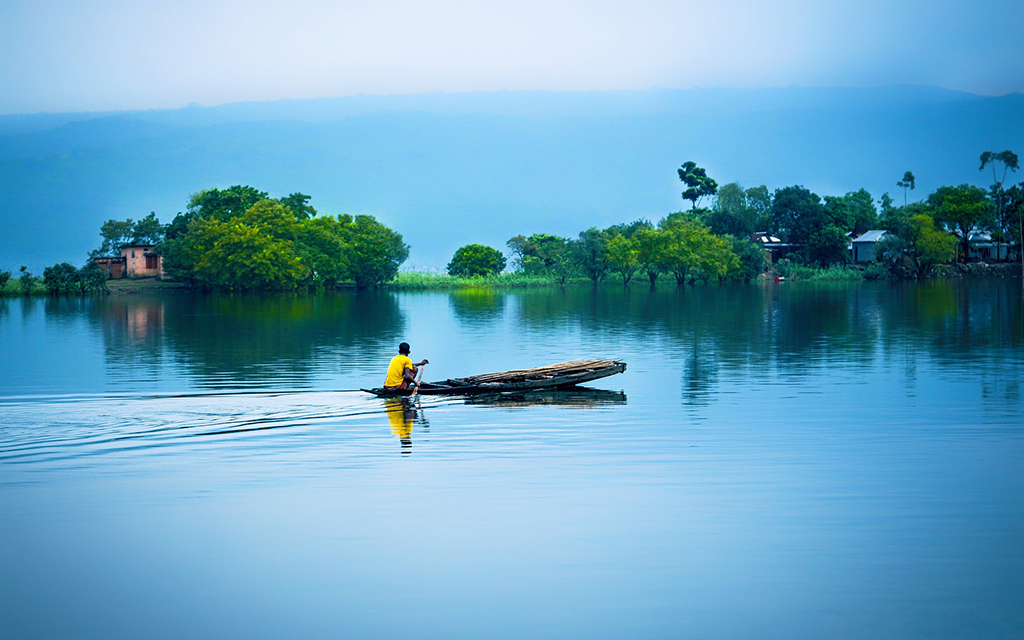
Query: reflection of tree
pixel 794 329
pixel 477 306
pixel 700 373
pixel 229 340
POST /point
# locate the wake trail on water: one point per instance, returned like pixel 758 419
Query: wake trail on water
pixel 37 428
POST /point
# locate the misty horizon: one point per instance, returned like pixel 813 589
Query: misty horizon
pixel 449 169
pixel 61 56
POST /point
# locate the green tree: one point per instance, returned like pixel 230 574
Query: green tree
pixel 546 250
pixel 542 254
pixel 907 182
pixel 219 204
pixel 715 258
pixel 693 252
pixel 963 208
pixel 376 252
pixel 26 279
pixel 590 253
pixel 751 259
pixel 246 253
pixel 324 247
pixel 61 277
pixel 1013 215
pixel 115 234
pixel 931 245
pixel 731 215
pixel 652 253
pixel 92 278
pixel 299 204
pixel 681 250
pixel 891 249
pixel 885 208
pixel 119 233
pixel 759 206
pixel 797 212
pixel 1007 159
pixel 862 205
pixel 829 246
pixel 1001 196
pixel 628 229
pixel 148 230
pixel 623 256
pixel 838 213
pixel 5 277
pixel 697 182
pixel 224 204
pixel 922 243
pixel 476 260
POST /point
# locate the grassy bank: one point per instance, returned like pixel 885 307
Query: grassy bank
pixel 15 287
pixel 427 280
pixel 834 273
pixel 128 286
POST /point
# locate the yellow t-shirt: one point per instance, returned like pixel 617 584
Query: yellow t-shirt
pixel 395 370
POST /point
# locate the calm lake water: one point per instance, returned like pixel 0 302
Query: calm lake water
pixel 778 461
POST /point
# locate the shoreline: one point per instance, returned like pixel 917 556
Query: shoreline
pixel 427 281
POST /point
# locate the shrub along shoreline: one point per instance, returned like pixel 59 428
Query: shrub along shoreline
pixel 411 281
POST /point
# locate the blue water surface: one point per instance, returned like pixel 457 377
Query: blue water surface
pixel 777 461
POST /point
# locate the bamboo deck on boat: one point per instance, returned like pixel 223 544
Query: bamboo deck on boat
pixel 560 375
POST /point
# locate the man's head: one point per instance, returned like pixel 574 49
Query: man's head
pixel 403 348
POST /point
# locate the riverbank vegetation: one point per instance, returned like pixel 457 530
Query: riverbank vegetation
pixel 426 280
pixel 808 236
pixel 241 239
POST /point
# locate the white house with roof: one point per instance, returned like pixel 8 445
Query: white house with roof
pixel 773 246
pixel 984 248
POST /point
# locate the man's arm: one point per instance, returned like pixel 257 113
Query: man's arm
pixel 410 374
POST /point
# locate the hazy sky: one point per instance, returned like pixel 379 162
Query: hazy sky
pixel 75 55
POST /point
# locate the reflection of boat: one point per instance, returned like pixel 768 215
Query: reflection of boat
pixel 555 376
pixel 573 397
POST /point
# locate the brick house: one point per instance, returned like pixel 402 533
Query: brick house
pixel 135 261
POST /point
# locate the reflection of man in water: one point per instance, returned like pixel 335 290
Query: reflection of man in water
pixel 402 370
pixel 401 413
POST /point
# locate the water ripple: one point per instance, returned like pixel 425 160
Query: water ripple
pixel 39 428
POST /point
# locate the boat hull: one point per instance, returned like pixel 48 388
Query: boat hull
pixel 458 386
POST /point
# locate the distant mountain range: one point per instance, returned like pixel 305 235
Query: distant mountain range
pixel 450 169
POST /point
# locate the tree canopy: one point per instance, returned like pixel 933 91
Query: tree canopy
pixel 120 233
pixel 963 208
pixel 476 260
pixel 907 182
pixel 697 182
pixel 239 239
pixel 798 212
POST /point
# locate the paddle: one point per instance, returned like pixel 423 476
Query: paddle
pixel 419 377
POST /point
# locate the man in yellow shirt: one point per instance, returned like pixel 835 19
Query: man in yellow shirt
pixel 402 370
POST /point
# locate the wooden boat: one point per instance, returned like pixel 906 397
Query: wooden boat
pixel 556 376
